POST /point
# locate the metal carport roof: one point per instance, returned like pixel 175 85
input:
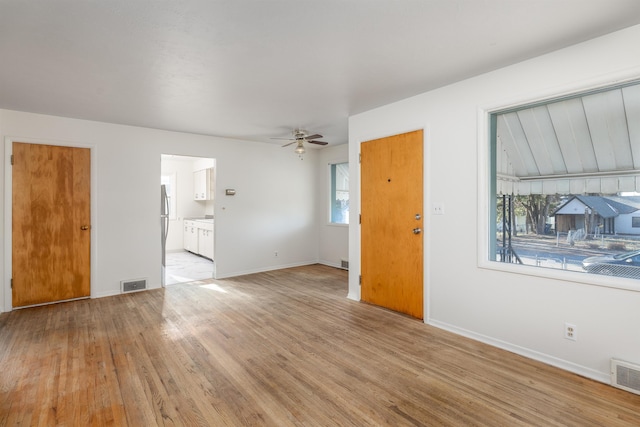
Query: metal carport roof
pixel 588 144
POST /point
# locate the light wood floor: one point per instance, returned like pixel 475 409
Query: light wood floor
pixel 281 348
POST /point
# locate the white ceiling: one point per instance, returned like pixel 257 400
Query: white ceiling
pixel 256 69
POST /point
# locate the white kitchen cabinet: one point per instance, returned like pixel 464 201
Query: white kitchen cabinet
pixel 204 184
pixel 205 243
pixel 190 236
pixel 198 237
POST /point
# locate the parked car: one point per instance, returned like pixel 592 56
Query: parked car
pixel 626 264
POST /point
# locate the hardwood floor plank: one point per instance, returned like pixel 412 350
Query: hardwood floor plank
pixel 280 348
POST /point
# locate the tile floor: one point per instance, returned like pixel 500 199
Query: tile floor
pixel 184 267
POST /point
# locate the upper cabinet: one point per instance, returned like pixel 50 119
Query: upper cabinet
pixel 204 184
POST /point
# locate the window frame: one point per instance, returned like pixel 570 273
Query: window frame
pixel 330 195
pixel 487 197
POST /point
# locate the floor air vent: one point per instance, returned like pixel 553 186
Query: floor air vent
pixel 133 285
pixel 344 264
pixel 625 375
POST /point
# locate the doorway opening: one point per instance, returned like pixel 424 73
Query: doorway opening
pixel 187 218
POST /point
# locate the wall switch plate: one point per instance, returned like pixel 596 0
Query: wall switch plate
pixel 437 208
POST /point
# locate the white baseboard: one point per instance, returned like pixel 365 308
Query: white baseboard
pixel 330 264
pixel 603 377
pixel 353 297
pixel 105 294
pixel 262 270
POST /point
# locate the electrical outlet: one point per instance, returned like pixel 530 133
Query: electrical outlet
pixel 438 208
pixel 571 332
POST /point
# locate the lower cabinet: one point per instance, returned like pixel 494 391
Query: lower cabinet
pixel 190 236
pixel 205 243
pixel 198 238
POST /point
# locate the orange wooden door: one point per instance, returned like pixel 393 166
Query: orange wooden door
pixel 392 204
pixel 51 255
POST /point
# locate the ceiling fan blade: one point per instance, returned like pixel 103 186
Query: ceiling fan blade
pixel 318 142
pixel 315 136
pixel 292 142
pixel 286 139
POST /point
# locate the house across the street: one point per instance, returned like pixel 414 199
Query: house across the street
pixel 600 215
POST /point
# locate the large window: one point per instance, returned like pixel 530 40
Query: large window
pixel 565 183
pixel 339 196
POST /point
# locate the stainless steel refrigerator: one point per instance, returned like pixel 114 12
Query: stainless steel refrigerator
pixel 164 220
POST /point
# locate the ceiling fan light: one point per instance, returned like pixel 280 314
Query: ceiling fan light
pixel 299 149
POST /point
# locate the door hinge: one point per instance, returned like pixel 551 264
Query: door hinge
pixel 360 158
pixel 12 283
pixel 12 160
pixel 360 219
pixel 360 280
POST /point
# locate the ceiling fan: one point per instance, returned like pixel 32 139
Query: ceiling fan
pixel 300 137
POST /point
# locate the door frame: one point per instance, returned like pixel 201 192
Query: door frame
pixel 8 209
pixel 194 158
pixel 355 250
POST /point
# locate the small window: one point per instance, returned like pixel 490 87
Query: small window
pixel 339 197
pixel 635 222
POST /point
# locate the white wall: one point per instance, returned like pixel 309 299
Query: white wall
pixel 623 223
pixel 333 238
pixel 521 312
pixel 274 209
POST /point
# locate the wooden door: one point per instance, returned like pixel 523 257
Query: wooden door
pixel 51 223
pixel 391 222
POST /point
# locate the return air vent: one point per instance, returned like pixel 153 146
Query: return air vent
pixel 625 375
pixel 344 264
pixel 133 285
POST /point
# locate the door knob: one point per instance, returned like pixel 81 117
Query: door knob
pixel 84 227
pixel 417 231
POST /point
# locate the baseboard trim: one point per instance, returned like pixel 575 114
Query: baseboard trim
pixel 105 294
pixel 603 377
pixel 264 269
pixel 330 264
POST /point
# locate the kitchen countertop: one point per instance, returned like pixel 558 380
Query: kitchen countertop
pixel 207 220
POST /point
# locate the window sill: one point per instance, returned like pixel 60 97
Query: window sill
pixel 336 224
pixel 589 279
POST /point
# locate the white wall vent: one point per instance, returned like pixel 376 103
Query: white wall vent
pixel 625 375
pixel 344 264
pixel 133 285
